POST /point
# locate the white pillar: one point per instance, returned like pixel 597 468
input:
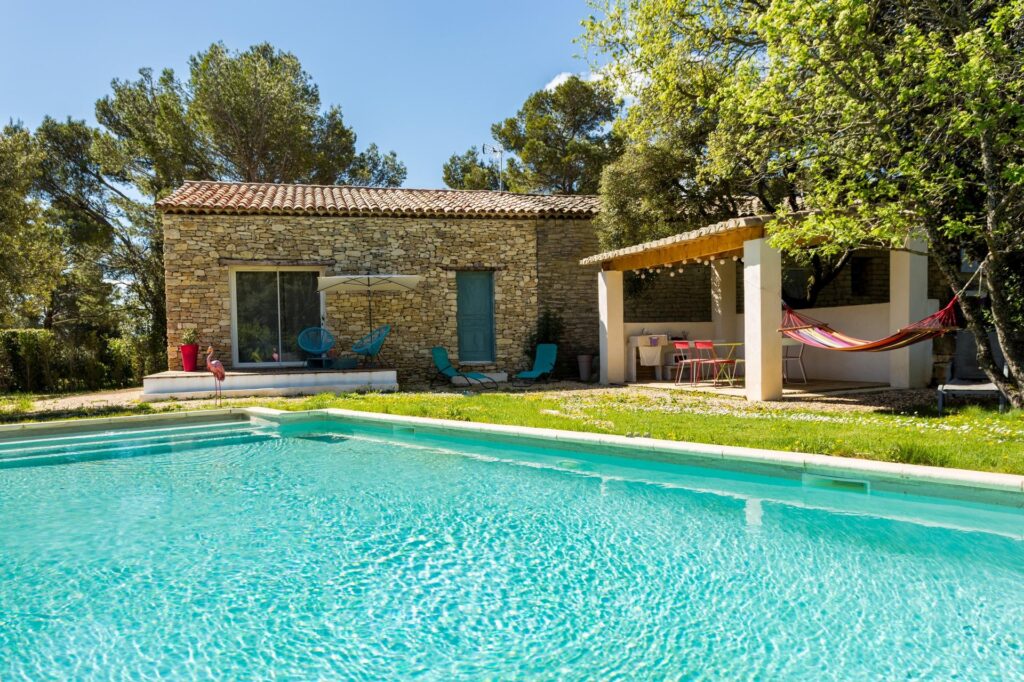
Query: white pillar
pixel 762 315
pixel 723 299
pixel 612 334
pixel 909 367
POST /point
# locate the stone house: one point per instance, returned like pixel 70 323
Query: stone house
pixel 242 261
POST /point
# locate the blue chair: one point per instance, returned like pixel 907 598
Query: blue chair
pixel 316 341
pixel 446 372
pixel 543 363
pixel 369 346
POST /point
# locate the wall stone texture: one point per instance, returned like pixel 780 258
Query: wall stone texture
pixel 535 264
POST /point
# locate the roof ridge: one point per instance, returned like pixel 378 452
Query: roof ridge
pixel 220 196
pixel 380 188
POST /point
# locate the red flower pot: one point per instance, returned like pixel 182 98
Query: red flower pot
pixel 188 356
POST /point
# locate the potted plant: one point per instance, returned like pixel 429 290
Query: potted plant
pixel 189 349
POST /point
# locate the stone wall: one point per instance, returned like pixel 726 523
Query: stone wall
pixel 683 297
pixel 567 288
pixel 202 250
pixel 687 297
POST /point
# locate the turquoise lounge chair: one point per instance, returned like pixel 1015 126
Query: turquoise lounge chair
pixel 543 363
pixel 446 372
pixel 369 346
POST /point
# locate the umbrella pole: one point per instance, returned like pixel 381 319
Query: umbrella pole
pixel 369 308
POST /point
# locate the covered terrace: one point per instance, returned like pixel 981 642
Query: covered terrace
pixel 742 242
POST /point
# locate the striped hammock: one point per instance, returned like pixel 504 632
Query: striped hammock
pixel 819 335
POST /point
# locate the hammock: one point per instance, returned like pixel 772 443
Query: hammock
pixel 819 335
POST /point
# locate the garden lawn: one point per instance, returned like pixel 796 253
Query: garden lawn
pixel 969 438
pixel 972 438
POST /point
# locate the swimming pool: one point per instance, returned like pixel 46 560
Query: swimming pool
pixel 324 548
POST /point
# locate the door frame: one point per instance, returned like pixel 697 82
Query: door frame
pixel 494 318
pixel 232 290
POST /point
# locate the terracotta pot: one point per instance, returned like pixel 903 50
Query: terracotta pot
pixel 188 356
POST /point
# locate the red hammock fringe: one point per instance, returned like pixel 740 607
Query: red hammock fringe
pixel 816 333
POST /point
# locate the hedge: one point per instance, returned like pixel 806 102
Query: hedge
pixel 37 361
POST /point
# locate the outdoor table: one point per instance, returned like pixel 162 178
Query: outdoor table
pixel 730 354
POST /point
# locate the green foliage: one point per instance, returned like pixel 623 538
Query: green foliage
pixel 258 114
pixel 189 336
pixel 30 255
pixel 562 138
pixel 671 178
pixel 76 202
pixel 26 359
pixel 470 171
pixel 36 360
pixel 558 141
pixel 892 120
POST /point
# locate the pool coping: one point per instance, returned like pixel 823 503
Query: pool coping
pixel 842 467
pixel 809 463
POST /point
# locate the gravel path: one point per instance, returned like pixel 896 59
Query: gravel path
pixel 884 400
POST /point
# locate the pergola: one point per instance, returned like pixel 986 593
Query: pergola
pixel 721 246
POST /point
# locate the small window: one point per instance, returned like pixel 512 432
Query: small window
pixel 475 315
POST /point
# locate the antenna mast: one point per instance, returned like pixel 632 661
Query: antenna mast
pixel 499 151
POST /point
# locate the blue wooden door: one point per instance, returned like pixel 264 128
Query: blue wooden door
pixel 475 316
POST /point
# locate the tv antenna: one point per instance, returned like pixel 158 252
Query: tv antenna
pixel 499 151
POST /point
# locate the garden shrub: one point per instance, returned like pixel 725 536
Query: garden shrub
pixel 37 361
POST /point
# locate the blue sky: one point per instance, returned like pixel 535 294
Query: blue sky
pixel 425 79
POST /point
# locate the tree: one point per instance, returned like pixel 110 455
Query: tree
pixel 562 138
pixel 894 119
pixel 30 256
pixel 684 70
pixel 259 113
pixel 470 171
pixel 252 116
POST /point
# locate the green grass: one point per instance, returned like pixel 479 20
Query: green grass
pixel 16 404
pixel 972 438
pixel 969 438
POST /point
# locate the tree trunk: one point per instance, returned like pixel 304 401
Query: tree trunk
pixel 948 260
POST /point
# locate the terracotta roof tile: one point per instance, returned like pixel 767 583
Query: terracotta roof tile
pixel 342 200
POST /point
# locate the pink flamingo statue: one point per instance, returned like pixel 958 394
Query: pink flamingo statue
pixel 216 368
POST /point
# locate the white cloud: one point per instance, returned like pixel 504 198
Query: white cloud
pixel 566 75
pixel 558 80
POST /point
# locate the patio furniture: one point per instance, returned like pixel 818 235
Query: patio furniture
pixel 543 363
pixel 721 368
pixel 369 346
pixel 793 351
pixel 446 372
pixel 684 359
pixel 965 377
pixel 368 284
pixel 316 341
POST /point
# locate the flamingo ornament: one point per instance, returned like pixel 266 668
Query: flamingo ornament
pixel 216 368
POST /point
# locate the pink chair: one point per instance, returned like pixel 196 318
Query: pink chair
pixel 721 368
pixel 684 359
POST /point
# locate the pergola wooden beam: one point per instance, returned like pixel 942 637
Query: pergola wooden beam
pixel 709 247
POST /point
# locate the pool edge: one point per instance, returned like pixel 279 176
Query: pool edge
pixel 844 467
pixel 810 463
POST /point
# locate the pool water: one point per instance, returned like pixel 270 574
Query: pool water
pixel 321 550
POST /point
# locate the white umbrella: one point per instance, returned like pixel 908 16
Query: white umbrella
pixel 368 284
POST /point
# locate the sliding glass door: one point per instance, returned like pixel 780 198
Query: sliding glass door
pixel 271 308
